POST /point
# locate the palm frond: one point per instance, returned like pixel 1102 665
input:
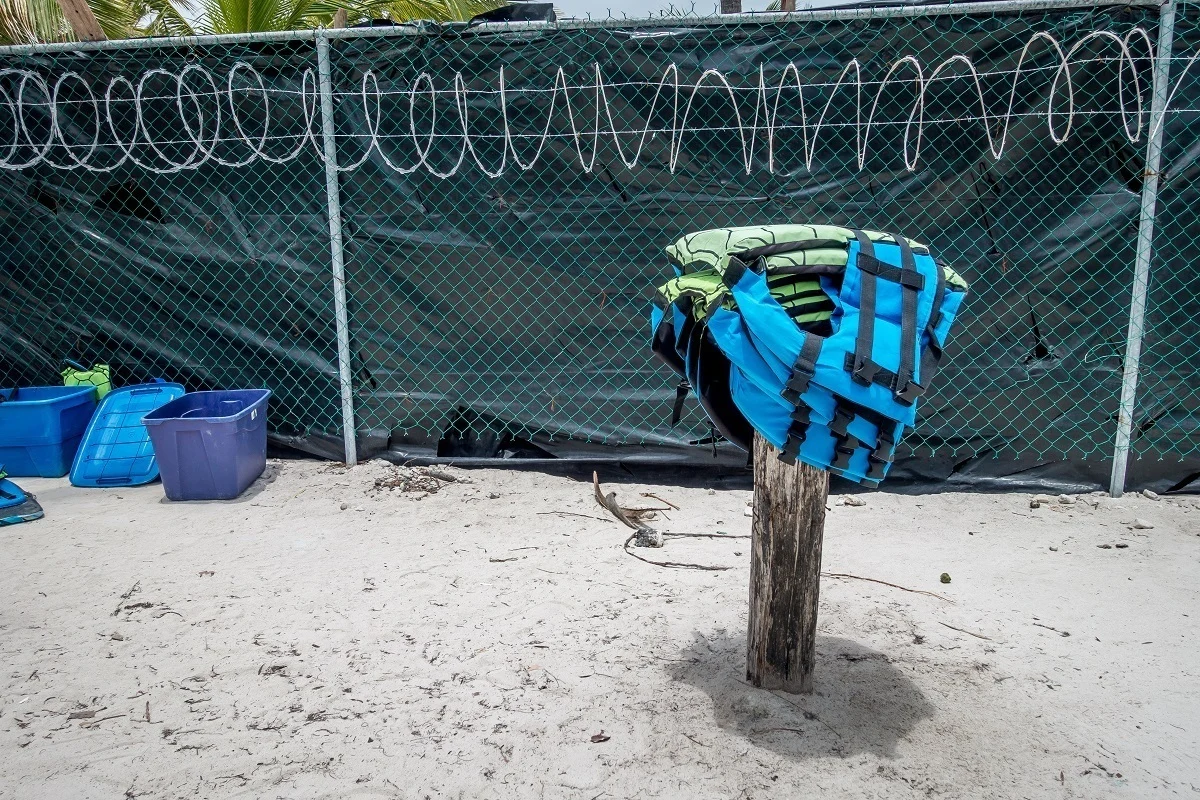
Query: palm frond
pixel 163 17
pixel 322 11
pixel 243 16
pixel 440 10
pixel 117 18
pixel 32 21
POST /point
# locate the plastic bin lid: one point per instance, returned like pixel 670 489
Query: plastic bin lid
pixel 115 449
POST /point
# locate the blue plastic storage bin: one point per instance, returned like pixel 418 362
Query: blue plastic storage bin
pixel 116 450
pixel 40 428
pixel 210 445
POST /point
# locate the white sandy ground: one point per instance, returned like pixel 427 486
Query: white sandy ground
pixel 469 645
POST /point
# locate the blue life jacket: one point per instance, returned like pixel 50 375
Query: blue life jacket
pixel 835 394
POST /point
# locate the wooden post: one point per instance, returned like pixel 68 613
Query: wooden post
pixel 785 571
pixel 83 21
pixel 339 18
pixel 787 5
pixel 731 6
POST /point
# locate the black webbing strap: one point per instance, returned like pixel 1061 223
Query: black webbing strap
pixel 931 358
pixel 734 271
pixel 795 434
pixel 765 250
pixel 803 369
pixel 864 368
pixel 880 375
pixel 843 451
pixel 907 276
pixel 845 411
pixel 878 468
pixel 908 326
pixel 681 393
pixel 842 417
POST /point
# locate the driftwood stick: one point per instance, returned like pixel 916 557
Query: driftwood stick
pixel 885 583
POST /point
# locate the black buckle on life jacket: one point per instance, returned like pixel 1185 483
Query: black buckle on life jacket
pixel 801 415
pixel 843 451
pixel 878 465
pixel 888 436
pixel 909 394
pixel 796 386
pixel 791 449
pixel 864 371
pixel 841 421
pixel 796 434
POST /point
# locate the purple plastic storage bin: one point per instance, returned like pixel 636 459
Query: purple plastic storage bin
pixel 210 445
pixel 40 428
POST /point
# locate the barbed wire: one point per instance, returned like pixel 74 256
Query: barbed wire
pixel 208 112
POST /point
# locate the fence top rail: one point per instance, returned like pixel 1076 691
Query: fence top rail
pixel 426 28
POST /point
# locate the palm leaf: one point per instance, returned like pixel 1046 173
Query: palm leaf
pixel 117 18
pixel 163 17
pixel 32 21
pixel 440 10
pixel 241 16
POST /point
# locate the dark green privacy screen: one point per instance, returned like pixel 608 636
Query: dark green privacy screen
pixel 506 193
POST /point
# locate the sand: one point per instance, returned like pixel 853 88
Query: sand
pixel 321 637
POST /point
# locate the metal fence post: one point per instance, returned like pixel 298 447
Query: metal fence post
pixel 1145 242
pixel 325 87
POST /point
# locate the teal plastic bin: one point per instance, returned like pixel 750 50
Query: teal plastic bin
pixel 40 428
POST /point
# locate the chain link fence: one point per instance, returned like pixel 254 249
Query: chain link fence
pixel 1167 418
pixel 504 192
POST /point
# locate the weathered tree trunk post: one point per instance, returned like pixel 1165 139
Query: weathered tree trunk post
pixel 731 6
pixel 83 21
pixel 785 571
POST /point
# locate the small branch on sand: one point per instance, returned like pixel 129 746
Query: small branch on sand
pixel 964 630
pixel 132 589
pixel 670 535
pixel 885 583
pixel 653 496
pixel 573 514
pixel 670 564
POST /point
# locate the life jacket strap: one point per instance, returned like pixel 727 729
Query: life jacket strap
pixel 864 368
pixel 906 388
pixel 796 434
pixel 843 451
pixel 865 371
pixel 803 369
pixel 681 393
pixel 905 276
pixel 878 468
pixel 906 393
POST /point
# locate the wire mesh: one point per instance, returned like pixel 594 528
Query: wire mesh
pixel 1167 419
pixel 507 191
pixel 164 213
pixel 531 180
